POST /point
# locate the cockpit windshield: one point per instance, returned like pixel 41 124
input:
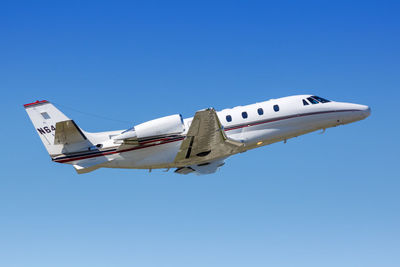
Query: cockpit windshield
pixel 312 100
pixel 320 99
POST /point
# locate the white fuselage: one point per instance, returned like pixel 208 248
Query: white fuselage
pixel 254 125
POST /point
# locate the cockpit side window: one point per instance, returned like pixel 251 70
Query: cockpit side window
pixel 312 100
pixel 320 99
pixel 305 103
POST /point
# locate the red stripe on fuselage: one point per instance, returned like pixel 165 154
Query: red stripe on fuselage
pixel 284 118
pixel 181 138
pixel 115 152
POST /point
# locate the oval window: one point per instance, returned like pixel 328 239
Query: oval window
pixel 244 115
pixel 228 118
pixel 260 111
pixel 276 108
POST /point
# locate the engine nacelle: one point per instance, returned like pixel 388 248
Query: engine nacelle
pixel 159 127
pixel 163 126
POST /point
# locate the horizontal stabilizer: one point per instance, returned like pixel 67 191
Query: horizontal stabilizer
pixel 88 165
pixel 67 132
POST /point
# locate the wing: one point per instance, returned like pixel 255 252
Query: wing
pixel 205 168
pixel 205 140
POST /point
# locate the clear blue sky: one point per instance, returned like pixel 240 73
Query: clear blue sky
pixel 320 200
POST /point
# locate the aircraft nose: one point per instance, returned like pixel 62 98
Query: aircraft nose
pixel 366 111
pixel 358 112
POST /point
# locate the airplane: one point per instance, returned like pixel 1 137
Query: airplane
pixel 197 145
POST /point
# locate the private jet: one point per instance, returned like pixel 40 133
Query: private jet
pixel 197 145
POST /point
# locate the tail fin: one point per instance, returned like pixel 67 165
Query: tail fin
pixel 46 118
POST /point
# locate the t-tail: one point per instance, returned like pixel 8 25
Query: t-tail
pixel 65 141
pixel 59 134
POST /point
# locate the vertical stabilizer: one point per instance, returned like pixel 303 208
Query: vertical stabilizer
pixel 45 116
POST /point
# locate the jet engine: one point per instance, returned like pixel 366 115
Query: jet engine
pixel 155 128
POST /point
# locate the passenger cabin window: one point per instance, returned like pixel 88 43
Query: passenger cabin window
pixel 244 115
pixel 228 118
pixel 276 108
pixel 260 111
pixel 320 99
pixel 312 100
pixel 305 103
